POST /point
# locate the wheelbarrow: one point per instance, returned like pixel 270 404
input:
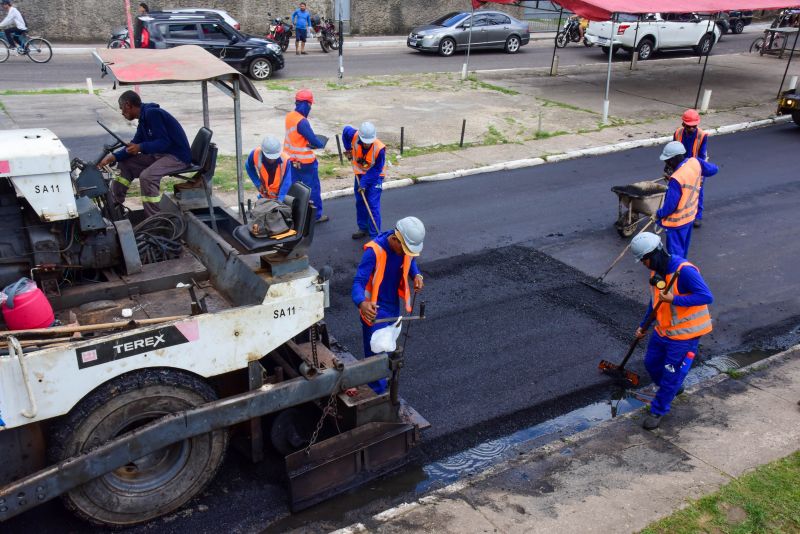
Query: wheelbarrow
pixel 637 202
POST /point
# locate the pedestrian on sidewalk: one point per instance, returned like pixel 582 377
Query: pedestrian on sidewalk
pixel 158 148
pixel 15 22
pixel 269 169
pixel 695 140
pixel 681 319
pixel 368 155
pixel 383 280
pixel 679 209
pixel 301 19
pixel 299 143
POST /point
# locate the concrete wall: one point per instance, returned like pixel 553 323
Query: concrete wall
pixel 92 20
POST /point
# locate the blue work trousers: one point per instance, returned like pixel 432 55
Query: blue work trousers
pixel 308 173
pixel 378 387
pixel 678 240
pixel 372 192
pixel 699 215
pixel 668 366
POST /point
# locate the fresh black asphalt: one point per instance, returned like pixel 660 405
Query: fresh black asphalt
pixel 512 335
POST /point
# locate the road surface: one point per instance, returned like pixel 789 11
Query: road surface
pixel 70 71
pixel 513 337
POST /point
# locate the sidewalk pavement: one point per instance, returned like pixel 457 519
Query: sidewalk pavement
pixel 618 477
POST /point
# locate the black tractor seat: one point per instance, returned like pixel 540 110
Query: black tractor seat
pixel 201 169
pixel 291 247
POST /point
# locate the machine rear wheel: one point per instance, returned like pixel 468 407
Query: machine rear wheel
pixel 153 485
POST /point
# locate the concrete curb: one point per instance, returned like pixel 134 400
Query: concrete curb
pixel 532 162
pixel 442 493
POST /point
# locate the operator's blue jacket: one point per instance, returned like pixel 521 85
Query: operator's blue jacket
pixel 372 176
pixel 159 133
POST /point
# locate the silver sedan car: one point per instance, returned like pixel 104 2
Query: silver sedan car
pixel 451 32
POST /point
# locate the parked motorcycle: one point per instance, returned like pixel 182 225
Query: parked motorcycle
pixel 280 31
pixel 570 33
pixel 119 38
pixel 325 32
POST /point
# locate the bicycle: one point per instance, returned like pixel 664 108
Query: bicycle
pixel 38 49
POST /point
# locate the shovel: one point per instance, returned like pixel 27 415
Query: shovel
pixel 366 204
pixel 619 371
pixel 404 318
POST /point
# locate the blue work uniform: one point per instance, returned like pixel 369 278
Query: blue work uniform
pixel 371 183
pixel 666 359
pixel 308 173
pixel 678 238
pixel 271 166
pixel 702 154
pixel 389 304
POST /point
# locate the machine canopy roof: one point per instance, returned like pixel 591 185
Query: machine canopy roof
pixel 188 63
pixel 603 9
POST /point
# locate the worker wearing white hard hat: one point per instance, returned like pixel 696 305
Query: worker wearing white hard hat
pixel 679 208
pixel 269 169
pixel 385 279
pixel 368 156
pixel 679 310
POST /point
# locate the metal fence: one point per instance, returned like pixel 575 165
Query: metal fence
pixel 542 17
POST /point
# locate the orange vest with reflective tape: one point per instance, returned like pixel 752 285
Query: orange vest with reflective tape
pixel 271 186
pixel 369 157
pixel 374 284
pixel 295 144
pixel 698 140
pixel 690 178
pixel 680 322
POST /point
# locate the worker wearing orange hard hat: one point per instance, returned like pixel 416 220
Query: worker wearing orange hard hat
pixel 299 145
pixel 695 140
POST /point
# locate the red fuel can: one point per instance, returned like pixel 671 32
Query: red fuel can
pixel 30 310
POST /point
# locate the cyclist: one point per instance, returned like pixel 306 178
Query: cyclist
pixel 13 19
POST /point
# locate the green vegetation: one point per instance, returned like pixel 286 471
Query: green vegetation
pixel 493 136
pixel 765 500
pixel 735 373
pixel 2 108
pixel 556 104
pixel 411 152
pixel 334 86
pixel 544 134
pixel 383 83
pixel 62 91
pixel 276 86
pixel 478 84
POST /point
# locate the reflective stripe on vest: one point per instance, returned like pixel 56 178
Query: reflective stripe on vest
pixel 369 157
pixel 272 186
pixel 690 178
pixel 374 284
pixel 295 144
pixel 681 322
pixel 698 140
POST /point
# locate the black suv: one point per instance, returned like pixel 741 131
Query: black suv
pixel 254 56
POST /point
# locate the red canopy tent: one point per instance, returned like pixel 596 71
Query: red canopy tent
pixel 603 10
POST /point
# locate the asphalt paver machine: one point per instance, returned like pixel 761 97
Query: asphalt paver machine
pixel 177 334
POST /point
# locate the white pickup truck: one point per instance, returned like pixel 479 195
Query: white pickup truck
pixel 656 31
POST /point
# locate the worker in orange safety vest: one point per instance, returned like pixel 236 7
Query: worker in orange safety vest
pixel 269 169
pixel 385 278
pixel 695 140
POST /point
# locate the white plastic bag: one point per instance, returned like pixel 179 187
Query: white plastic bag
pixel 385 339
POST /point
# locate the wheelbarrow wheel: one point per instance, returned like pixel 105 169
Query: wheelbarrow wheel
pixel 623 228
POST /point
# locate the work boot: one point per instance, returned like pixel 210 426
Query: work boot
pixel 651 422
pixel 323 219
pixel 697 223
pixel 360 234
pixel 680 391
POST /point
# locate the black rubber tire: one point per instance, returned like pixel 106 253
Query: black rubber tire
pixel 161 482
pixel 705 45
pixel 604 49
pixel 324 45
pixel 646 46
pixel 4 51
pixel 285 44
pixel 513 44
pixel 260 69
pixel 39 50
pixel 757 45
pixel 796 117
pixel 334 43
pixel 738 27
pixel 561 39
pixel 587 43
pixel 447 47
pixel 118 43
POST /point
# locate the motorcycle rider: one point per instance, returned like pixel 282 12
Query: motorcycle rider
pixel 13 19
